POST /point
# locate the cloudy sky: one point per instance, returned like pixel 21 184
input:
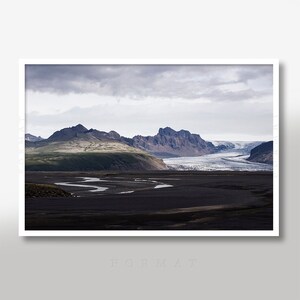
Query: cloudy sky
pixel 219 102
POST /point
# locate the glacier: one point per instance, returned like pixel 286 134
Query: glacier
pixel 231 159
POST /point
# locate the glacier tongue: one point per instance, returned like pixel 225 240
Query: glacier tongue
pixel 231 160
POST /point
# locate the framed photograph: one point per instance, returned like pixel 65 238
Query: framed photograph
pixel 149 148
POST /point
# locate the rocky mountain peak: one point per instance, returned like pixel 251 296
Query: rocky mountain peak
pixel 79 128
pixel 114 135
pixel 68 133
pixel 166 131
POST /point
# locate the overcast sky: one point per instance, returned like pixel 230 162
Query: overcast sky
pixel 219 102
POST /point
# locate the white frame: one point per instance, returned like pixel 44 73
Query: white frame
pixel 274 232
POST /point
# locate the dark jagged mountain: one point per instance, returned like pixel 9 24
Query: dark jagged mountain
pixel 68 133
pixel 263 153
pixel 170 143
pixel 79 131
pixel 32 138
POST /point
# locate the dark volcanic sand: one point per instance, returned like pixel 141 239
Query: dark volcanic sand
pixel 197 201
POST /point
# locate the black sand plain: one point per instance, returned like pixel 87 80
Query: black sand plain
pixel 195 201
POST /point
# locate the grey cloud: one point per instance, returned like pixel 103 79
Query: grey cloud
pixel 235 96
pixel 159 81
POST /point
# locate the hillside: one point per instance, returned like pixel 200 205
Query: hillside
pixel 92 162
pixel 79 149
pixel 263 153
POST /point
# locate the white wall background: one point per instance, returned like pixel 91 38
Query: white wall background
pixel 150 268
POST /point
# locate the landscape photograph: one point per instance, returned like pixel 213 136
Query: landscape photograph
pixel 161 148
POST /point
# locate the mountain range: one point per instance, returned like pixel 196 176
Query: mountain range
pixel 79 148
pixel 166 143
